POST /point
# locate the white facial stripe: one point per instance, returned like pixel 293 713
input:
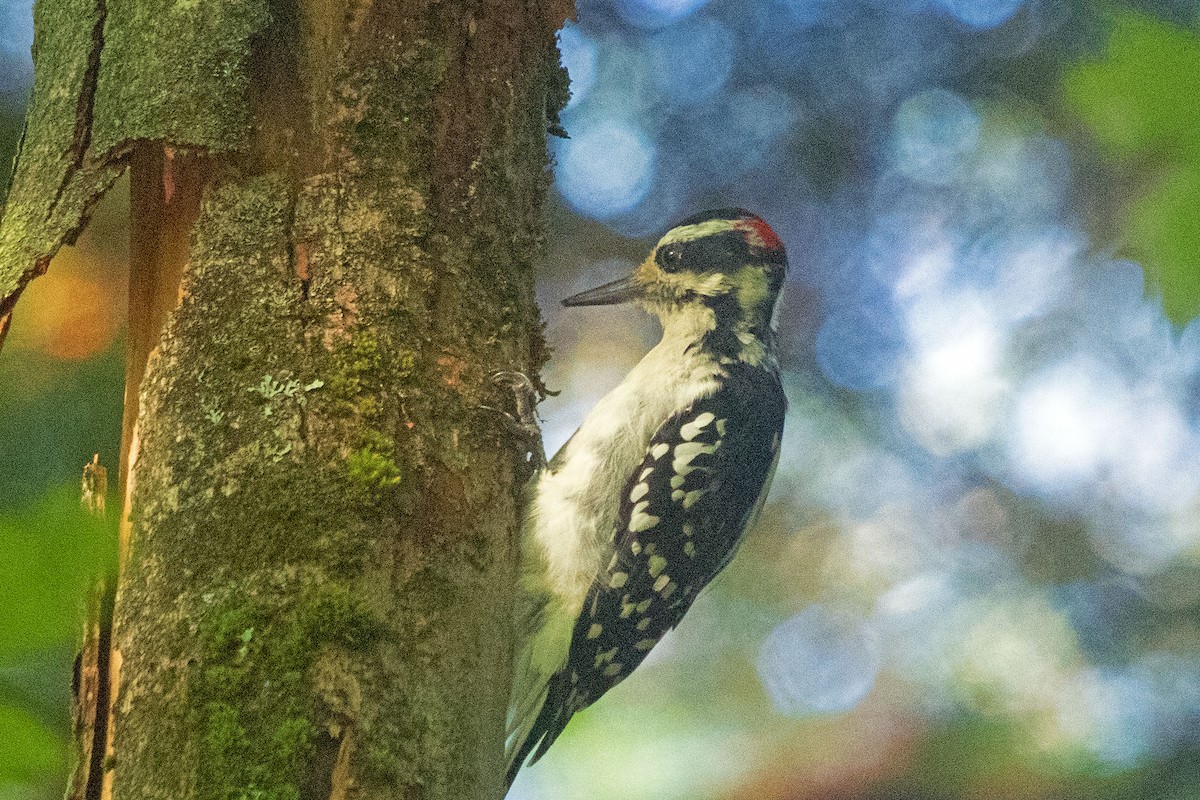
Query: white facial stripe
pixel 708 284
pixel 690 232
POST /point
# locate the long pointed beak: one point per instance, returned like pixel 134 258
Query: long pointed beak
pixel 619 291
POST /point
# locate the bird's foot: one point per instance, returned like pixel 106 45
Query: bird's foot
pixel 523 425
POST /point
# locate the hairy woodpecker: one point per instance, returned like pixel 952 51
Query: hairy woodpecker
pixel 650 498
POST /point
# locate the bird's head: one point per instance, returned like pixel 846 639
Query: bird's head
pixel 728 261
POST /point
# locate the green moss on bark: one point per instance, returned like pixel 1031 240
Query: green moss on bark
pixel 255 706
pixel 228 526
pixel 277 526
pixel 57 178
pixel 177 70
pixel 107 74
pixel 323 551
pixel 372 467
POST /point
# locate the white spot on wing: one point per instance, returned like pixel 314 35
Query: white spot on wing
pixel 692 429
pixel 686 452
pixel 639 520
pixel 605 657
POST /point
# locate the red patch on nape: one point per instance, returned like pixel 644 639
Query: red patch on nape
pixel 759 234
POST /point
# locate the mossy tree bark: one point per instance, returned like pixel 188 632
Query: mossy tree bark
pixel 335 216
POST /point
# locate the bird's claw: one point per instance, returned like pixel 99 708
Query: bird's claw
pixel 524 425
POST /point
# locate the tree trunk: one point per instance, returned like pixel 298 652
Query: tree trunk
pixel 335 216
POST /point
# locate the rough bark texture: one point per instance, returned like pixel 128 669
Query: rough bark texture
pixel 58 176
pixel 319 550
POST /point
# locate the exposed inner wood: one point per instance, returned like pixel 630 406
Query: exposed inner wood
pixel 165 192
pixel 166 188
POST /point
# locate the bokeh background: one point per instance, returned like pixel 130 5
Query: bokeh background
pixel 979 572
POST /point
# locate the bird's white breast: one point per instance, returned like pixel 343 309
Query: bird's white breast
pixel 576 501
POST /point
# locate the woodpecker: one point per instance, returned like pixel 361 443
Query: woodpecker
pixel 651 496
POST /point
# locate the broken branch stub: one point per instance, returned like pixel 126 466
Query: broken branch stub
pixel 86 112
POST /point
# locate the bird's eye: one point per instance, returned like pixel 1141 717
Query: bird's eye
pixel 670 258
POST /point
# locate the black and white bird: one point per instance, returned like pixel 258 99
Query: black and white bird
pixel 650 498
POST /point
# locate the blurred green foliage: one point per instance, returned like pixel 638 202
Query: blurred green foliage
pixel 1140 104
pixel 27 749
pixel 51 553
pixel 53 550
pixel 53 415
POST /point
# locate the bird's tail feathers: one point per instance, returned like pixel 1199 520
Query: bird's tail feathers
pixel 543 721
pixel 540 691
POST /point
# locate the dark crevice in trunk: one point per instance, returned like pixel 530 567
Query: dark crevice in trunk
pixel 319 785
pixel 83 114
pixel 95 775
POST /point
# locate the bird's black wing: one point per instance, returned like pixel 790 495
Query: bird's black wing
pixel 684 510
